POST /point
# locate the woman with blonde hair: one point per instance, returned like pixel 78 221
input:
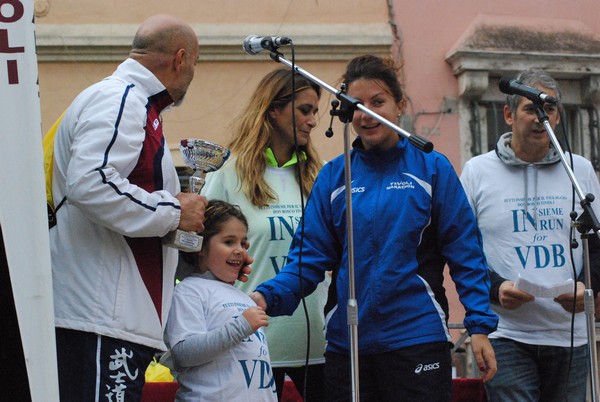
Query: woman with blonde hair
pixel 271 172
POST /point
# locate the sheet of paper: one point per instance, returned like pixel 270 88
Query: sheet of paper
pixel 544 291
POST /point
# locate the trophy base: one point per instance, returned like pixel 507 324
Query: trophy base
pixel 184 241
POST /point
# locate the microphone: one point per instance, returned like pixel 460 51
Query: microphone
pixel 514 87
pixel 255 44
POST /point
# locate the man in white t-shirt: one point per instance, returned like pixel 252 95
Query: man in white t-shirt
pixel 522 198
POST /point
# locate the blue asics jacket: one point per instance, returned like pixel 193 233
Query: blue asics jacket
pixel 411 217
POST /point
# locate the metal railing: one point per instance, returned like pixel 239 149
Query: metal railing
pixel 463 361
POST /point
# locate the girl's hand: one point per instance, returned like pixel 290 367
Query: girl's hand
pixel 256 317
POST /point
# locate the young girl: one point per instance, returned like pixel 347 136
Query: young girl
pixel 214 330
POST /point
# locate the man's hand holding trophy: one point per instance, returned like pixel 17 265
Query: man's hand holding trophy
pixel 204 157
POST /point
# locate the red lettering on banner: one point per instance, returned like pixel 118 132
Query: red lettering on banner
pixel 17 13
pixel 13 72
pixel 4 46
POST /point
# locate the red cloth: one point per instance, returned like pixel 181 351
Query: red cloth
pixel 468 390
pixel 290 393
pixel 159 391
pixel 165 392
pixel 463 390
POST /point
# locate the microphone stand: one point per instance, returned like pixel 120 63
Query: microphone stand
pixel 587 221
pixel 345 113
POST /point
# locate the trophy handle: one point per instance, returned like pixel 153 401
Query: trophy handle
pixel 197 181
pixel 180 239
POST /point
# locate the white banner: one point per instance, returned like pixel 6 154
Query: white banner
pixel 23 215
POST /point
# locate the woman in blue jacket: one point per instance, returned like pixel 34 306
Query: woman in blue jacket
pixel 411 218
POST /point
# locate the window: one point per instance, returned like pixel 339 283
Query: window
pixel 580 122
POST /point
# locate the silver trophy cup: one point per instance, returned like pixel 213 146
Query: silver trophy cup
pixel 204 157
